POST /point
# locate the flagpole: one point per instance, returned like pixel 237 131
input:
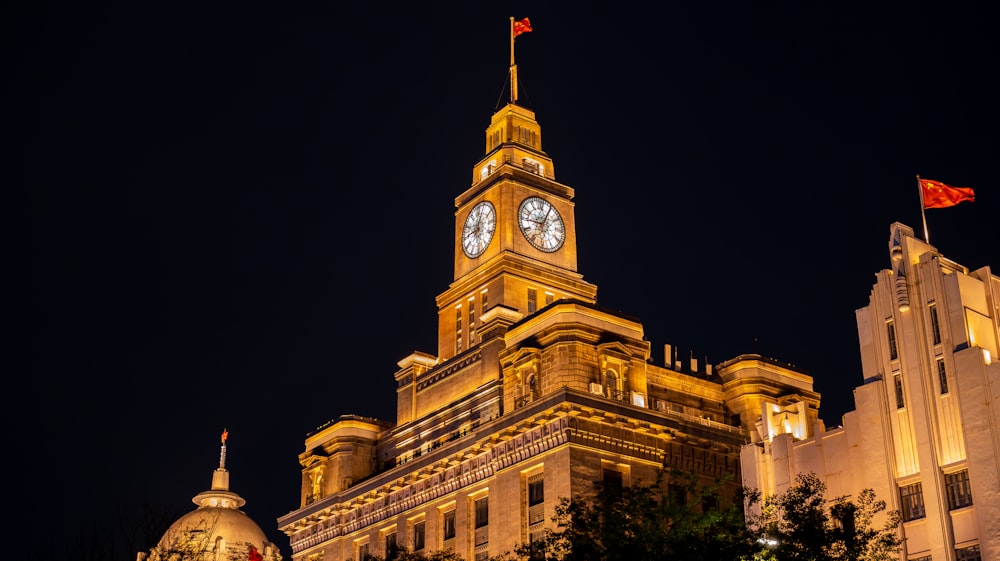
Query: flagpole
pixel 923 212
pixel 513 67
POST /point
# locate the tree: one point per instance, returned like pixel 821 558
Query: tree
pixel 673 517
pixel 801 527
pixel 676 518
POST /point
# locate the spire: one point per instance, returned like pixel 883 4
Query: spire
pixel 222 455
pixel 516 28
pixel 220 477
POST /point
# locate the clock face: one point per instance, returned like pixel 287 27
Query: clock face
pixel 541 224
pixel 479 228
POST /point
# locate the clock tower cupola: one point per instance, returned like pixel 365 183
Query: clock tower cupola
pixel 515 234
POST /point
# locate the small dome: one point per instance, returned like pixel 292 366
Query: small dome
pixel 213 528
pixel 217 529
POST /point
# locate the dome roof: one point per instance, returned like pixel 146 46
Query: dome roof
pixel 216 526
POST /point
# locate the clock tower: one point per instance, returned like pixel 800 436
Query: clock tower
pixel 535 391
pixel 515 235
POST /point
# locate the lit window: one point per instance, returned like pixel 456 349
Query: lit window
pixel 891 331
pixel 942 375
pixel 911 498
pixel 532 300
pixel 458 329
pixel 487 169
pixel 935 326
pixel 611 388
pixel 472 321
pixel 958 489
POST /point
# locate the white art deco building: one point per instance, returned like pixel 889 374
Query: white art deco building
pixel 925 434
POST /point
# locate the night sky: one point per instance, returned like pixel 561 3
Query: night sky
pixel 239 216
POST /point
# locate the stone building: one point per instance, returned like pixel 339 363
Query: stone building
pixel 924 434
pixel 534 393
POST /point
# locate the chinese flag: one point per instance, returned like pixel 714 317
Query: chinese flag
pixel 521 26
pixel 939 195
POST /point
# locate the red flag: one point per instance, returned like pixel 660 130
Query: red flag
pixel 522 26
pixel 254 554
pixel 939 195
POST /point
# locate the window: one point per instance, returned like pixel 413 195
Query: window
pixel 448 525
pixel 911 498
pixel 533 390
pixel 363 554
pixel 957 486
pixel 472 321
pixel 391 549
pixel 709 503
pixel 921 558
pixel 483 302
pixel 537 551
pixel 942 375
pixel 970 553
pixel 535 487
pixel 935 325
pixel 536 490
pixel 487 169
pixel 549 297
pixel 897 380
pixel 418 535
pixel 677 494
pixel 532 300
pixel 481 528
pixel 458 329
pixel 611 387
pixel 613 480
pixel 482 510
pixel 891 331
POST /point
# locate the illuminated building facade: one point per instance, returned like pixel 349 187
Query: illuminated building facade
pixel 926 428
pixel 535 391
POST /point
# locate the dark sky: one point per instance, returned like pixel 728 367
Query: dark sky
pixel 238 216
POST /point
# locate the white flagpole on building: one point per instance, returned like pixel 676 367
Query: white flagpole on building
pixel 923 213
pixel 513 67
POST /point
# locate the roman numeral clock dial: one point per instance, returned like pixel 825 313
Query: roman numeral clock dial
pixel 541 224
pixel 478 229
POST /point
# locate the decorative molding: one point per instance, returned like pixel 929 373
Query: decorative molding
pixel 435 377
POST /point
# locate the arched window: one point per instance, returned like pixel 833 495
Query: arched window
pixel 611 380
pixel 533 390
